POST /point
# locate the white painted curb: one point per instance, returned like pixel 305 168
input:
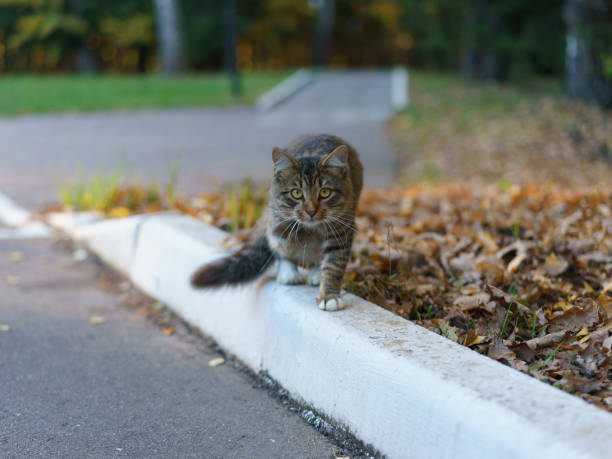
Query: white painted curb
pixel 283 90
pixel 395 385
pixel 400 92
pixel 20 223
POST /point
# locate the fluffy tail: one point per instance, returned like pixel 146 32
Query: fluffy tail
pixel 240 267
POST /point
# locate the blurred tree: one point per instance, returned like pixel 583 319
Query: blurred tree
pixel 170 37
pixel 588 61
pixel 41 33
pixel 86 60
pixel 229 38
pixel 203 28
pixel 323 29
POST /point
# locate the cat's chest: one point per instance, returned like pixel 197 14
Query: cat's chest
pixel 301 246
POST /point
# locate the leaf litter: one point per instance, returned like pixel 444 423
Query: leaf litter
pixel 522 275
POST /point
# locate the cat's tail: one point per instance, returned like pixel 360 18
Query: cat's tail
pixel 240 267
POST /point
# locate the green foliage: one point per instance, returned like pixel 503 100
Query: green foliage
pixel 96 194
pixel 245 203
pixel 509 39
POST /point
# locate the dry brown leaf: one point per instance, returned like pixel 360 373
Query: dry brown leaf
pixel 477 301
pixel 553 266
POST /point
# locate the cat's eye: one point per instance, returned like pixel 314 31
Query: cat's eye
pixel 296 193
pixel 324 193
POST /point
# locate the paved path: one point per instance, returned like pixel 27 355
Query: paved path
pixel 40 151
pixel 121 388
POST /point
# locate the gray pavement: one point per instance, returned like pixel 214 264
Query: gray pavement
pixel 70 388
pixel 38 152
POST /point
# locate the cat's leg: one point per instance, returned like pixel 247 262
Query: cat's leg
pixel 333 265
pixel 314 276
pixel 288 273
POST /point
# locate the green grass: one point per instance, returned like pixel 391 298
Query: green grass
pixel 32 93
pixel 442 92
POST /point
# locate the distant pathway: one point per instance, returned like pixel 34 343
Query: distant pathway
pixel 39 152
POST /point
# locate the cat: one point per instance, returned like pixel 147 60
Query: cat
pixel 310 221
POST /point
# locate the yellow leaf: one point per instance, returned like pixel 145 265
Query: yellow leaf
pixel 4 327
pixel 587 287
pixel 168 331
pixel 479 339
pixel 16 256
pixel 607 286
pixel 12 280
pixel 216 362
pixel 583 332
pixel 119 212
pixel 97 320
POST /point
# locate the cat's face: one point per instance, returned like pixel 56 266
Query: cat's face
pixel 313 191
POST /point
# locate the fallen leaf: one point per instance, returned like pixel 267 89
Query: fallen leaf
pixel 97 320
pixel 577 316
pixel 477 301
pixel 16 256
pixel 553 266
pixel 477 340
pixel 550 339
pixel 168 331
pixel 12 280
pixel 447 330
pixel 216 362
pixel 4 327
pixel 119 212
pixel 606 303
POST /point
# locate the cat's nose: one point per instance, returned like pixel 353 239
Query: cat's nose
pixel 311 212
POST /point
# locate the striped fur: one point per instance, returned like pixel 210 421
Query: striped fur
pixel 307 228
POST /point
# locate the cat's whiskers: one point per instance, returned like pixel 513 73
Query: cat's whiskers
pixel 343 222
pixel 335 233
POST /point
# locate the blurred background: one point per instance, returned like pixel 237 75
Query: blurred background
pixel 510 91
pixel 491 40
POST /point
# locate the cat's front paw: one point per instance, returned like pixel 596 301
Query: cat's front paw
pixel 332 303
pixel 288 274
pixel 314 276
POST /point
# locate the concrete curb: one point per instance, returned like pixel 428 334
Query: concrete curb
pixel 283 90
pixel 21 224
pixel 400 91
pixel 393 384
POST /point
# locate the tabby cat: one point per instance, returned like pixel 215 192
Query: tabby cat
pixel 310 220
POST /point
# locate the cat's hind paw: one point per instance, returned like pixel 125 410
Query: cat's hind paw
pixel 314 276
pixel 331 304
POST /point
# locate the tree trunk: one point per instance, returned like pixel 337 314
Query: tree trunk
pixel 584 78
pixel 86 60
pixel 325 22
pixel 169 36
pixel 481 60
pixel 229 45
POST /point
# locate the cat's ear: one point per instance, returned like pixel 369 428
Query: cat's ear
pixel 338 157
pixel 282 159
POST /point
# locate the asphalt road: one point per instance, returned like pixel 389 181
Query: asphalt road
pixel 39 152
pixel 121 388
pixel 71 388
